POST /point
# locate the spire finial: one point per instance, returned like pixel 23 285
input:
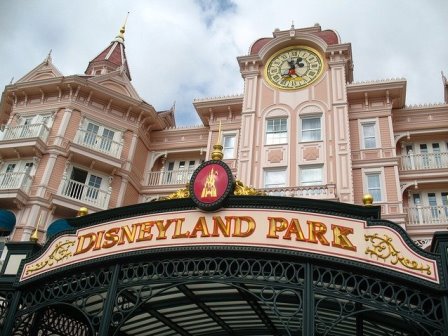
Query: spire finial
pixel 292 24
pixel 48 58
pixel 444 78
pixel 123 28
pixel 217 149
pixel 35 237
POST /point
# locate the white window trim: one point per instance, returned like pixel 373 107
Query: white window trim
pixel 265 130
pixel 361 123
pixel 279 169
pixel 235 146
pixel 20 166
pixel 302 167
pixel 104 177
pixel 374 171
pixel 118 134
pixel 310 116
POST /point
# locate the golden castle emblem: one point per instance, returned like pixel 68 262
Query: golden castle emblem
pixel 209 189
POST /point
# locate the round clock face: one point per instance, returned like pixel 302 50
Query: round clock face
pixel 294 68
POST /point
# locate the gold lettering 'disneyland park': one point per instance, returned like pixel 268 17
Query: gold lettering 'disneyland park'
pixel 173 228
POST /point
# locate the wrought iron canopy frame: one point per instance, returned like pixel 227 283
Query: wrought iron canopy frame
pixel 227 290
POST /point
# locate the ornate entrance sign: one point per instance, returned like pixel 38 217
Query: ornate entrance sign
pixel 307 232
pixel 210 184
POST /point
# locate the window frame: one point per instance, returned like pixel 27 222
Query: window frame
pixel 311 130
pixel 266 171
pixel 311 183
pixel 105 143
pixel 278 137
pixel 227 149
pixel 363 137
pixel 381 187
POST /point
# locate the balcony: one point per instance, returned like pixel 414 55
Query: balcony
pixel 21 181
pixel 98 143
pixel 424 161
pixel 170 177
pixel 39 130
pixel 85 194
pixel 427 215
pixel 327 192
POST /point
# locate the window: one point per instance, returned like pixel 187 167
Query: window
pixel 445 203
pixel 228 144
pixel 276 131
pixel 83 185
pixel 274 178
pixel 374 186
pixel 311 129
pixel 15 174
pixel 369 135
pixel 432 200
pixel 178 171
pixel 312 175
pixel 100 138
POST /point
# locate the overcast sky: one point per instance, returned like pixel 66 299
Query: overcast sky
pixel 179 50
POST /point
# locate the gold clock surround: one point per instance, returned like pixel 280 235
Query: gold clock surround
pixel 294 68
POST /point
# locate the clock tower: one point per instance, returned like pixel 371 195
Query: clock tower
pixel 295 122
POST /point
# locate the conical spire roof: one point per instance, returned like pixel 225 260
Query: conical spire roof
pixel 110 59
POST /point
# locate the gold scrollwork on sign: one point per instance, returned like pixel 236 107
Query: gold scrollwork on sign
pixel 60 252
pixel 383 248
pixel 242 190
pixel 181 193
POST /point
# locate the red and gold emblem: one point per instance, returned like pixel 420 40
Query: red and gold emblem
pixel 210 184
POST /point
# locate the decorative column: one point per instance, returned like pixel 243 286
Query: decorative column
pixel 47 174
pixel 63 127
pixel 249 68
pixel 340 122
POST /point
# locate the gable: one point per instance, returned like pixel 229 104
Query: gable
pixel 45 70
pixel 117 81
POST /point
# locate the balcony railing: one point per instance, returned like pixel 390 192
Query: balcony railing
pixel 99 143
pixel 424 161
pixel 86 194
pixel 15 181
pixel 317 191
pixel 39 130
pixel 427 215
pixel 181 176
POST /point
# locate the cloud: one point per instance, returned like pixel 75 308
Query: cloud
pixel 180 50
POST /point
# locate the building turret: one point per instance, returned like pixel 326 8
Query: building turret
pixel 110 59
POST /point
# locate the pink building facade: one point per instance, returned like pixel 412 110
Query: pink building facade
pixel 301 128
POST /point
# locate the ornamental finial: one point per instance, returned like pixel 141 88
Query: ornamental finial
pixel 367 199
pixel 35 236
pixel 82 212
pixel 123 29
pixel 217 149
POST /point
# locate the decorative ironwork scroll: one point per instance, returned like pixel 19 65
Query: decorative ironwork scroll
pixel 383 248
pixel 60 252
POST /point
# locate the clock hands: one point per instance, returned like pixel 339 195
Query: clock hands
pixel 291 72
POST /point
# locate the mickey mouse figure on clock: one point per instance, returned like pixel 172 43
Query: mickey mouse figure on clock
pixel 294 68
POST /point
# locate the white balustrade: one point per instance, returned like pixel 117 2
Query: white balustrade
pixel 424 161
pixel 86 194
pixel 316 191
pixel 13 180
pixel 39 130
pixel 427 215
pixel 99 143
pixel 169 177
